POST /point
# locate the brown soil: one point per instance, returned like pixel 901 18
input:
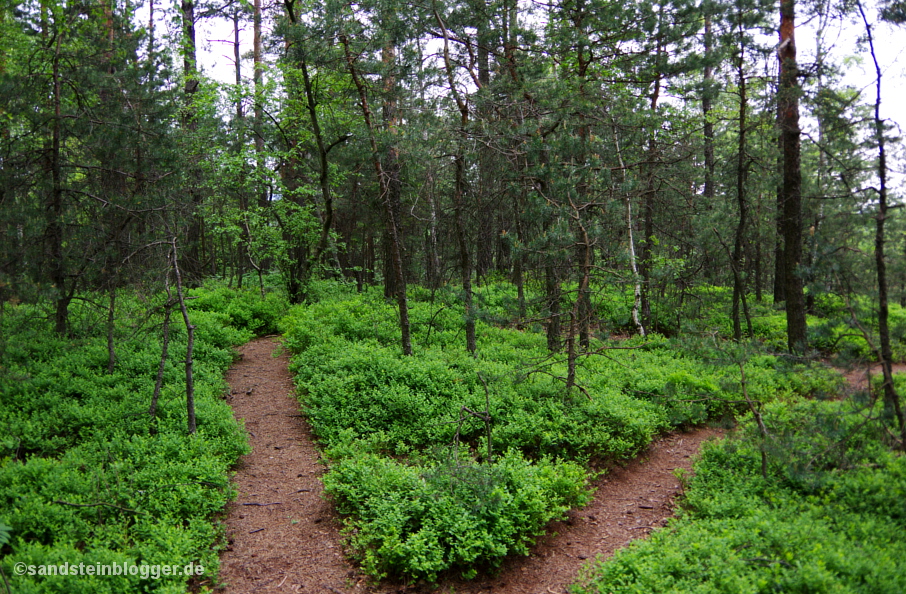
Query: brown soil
pixel 856 378
pixel 282 534
pixel 284 537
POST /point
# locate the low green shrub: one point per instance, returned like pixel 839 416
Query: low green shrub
pixel 246 309
pixel 377 411
pixel 420 520
pixel 86 476
pixel 829 517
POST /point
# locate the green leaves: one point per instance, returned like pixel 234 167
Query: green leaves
pixel 86 475
pixel 740 533
pixel 409 469
pixel 419 520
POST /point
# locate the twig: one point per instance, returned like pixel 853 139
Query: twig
pixel 119 507
pixel 487 414
pixel 757 414
pixel 264 504
pixel 5 582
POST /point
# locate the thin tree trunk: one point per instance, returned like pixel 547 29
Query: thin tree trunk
pixel 647 262
pixel 387 199
pixel 190 346
pixel 706 112
pixel 891 398
pixel 150 29
pixel 587 248
pixel 242 249
pixel 194 266
pixel 633 264
pixel 742 171
pixel 54 233
pixel 552 295
pixel 431 252
pixel 324 169
pixel 759 270
pixel 465 261
pixel 258 80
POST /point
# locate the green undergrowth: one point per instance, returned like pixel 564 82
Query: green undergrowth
pixel 829 518
pixel 390 423
pixel 86 476
pixel 835 326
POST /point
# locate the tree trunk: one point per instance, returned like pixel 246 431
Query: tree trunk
pixel 706 112
pixel 193 266
pixel 648 198
pixel 580 308
pixel 258 80
pixel 552 296
pixel 56 263
pixel 791 189
pixel 390 200
pixel 633 264
pixel 891 398
pixel 742 171
pixel 458 192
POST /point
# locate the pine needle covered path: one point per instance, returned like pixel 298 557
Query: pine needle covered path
pixel 284 537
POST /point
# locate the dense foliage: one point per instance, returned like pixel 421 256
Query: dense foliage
pixel 623 190
pixel 828 517
pixel 410 461
pixel 86 474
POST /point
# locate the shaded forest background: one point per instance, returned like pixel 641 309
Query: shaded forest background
pixel 576 145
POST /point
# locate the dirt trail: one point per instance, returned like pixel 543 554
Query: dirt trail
pixel 857 378
pixel 282 534
pixel 284 537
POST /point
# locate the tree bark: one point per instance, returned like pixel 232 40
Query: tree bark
pixel 258 80
pixel 552 296
pixel 465 261
pixel 791 188
pixel 742 173
pixel 633 263
pixel 706 112
pixel 647 256
pixel 56 263
pixel 193 266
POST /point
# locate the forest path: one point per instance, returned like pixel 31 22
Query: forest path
pixel 284 537
pixel 857 377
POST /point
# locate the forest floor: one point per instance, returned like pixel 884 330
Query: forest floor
pixel 857 378
pixel 283 536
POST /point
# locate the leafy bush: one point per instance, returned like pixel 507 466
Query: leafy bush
pixel 420 520
pixel 829 517
pixel 86 476
pixel 246 309
pixel 367 402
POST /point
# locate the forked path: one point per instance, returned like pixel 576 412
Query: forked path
pixel 284 537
